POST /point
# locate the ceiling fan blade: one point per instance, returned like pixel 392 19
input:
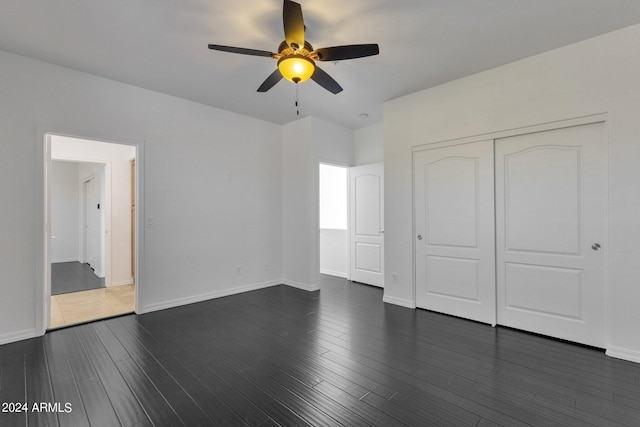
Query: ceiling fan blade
pixel 293 24
pixel 337 53
pixel 326 81
pixel 271 81
pixel 241 50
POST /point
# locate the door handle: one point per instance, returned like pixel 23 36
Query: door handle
pixel 595 246
pixel 419 236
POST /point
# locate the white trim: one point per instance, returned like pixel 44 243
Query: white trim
pixel 42 300
pixel 106 231
pixel 623 353
pixel 208 296
pixel 334 273
pixel 129 281
pixel 399 301
pixel 58 260
pixel 303 286
pixel 24 334
pixel 43 273
pixel 541 127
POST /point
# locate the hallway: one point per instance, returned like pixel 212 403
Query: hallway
pixel 73 277
pixel 85 306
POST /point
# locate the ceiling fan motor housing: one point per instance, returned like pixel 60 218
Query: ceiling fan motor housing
pixel 284 49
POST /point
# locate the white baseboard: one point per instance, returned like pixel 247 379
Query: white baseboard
pixel 121 283
pixel 58 260
pixel 25 334
pixel 303 286
pixel 399 301
pixel 624 354
pixel 204 297
pixel 333 273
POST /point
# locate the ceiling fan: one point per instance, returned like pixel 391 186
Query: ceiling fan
pixel 297 58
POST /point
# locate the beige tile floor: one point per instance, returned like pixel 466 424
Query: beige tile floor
pixel 84 306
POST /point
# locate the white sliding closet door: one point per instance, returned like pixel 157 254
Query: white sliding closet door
pixel 550 220
pixel 455 237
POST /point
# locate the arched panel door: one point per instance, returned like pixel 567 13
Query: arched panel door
pixel 455 238
pixel 366 192
pixel 550 216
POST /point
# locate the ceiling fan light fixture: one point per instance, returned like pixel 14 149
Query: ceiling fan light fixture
pixel 297 58
pixel 296 68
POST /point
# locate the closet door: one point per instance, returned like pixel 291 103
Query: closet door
pixel 550 194
pixel 455 237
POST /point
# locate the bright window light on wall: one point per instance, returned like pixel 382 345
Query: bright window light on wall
pixel 333 197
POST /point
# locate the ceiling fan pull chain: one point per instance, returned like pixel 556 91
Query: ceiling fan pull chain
pixel 297 107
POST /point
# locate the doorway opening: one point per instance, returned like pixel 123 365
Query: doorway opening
pixel 90 224
pixel 351 222
pixel 334 220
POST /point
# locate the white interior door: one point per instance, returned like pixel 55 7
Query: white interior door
pixel 550 189
pixel 367 223
pixel 455 238
pixel 92 222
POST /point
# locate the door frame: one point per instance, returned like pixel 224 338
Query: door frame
pixel 43 215
pixel 542 127
pixel 105 222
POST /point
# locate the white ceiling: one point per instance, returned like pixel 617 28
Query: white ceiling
pixel 162 45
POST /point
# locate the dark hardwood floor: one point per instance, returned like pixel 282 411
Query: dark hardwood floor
pixel 282 356
pixel 74 276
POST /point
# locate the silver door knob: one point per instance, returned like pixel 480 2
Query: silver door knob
pixel 595 246
pixel 419 236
